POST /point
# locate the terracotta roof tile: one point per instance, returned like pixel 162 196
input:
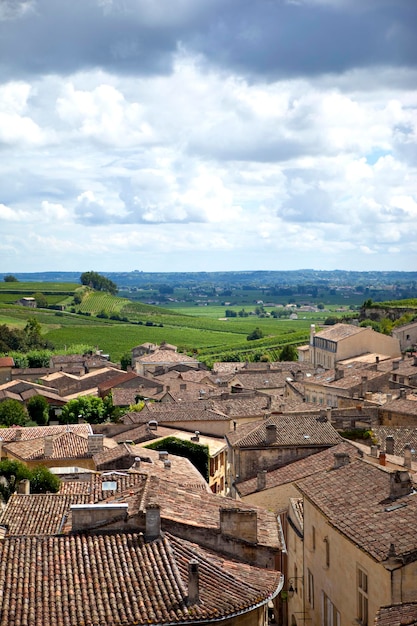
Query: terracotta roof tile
pixel 291 430
pixel 297 470
pixel 34 432
pixel 397 615
pixel 120 579
pixel 355 500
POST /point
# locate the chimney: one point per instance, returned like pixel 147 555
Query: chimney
pixel 95 444
pixel 261 480
pixel 341 459
pixel 24 487
pixel 382 458
pixel 136 464
pixel 196 436
pixel 193 583
pixel 374 451
pixel 388 397
pixel 152 522
pixel 395 365
pixel 85 516
pixel 239 524
pixel 415 360
pixel 48 446
pixel 364 385
pixel 329 414
pixel 271 434
pixel 338 373
pixel 400 484
pixel 167 464
pixel 312 333
pixel 18 434
pixel 163 455
pixel 377 359
pixel 403 394
pixel 153 425
pixel 407 456
pixel 389 444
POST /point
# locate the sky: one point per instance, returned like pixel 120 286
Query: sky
pixel 208 135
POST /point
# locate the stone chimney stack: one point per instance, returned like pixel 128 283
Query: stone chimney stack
pixel 48 446
pixel 163 455
pixel 407 456
pixel 196 436
pixel 261 480
pixel 329 414
pixel 24 487
pixel 339 373
pixel 312 333
pixel 415 360
pixel 395 365
pixel 95 444
pixel 239 524
pixel 136 464
pixel 389 444
pixel 374 451
pixel 193 583
pixel 271 434
pixel 364 385
pixel 152 522
pixel 403 394
pixel 400 484
pixel 341 459
pixel 153 425
pixel 18 434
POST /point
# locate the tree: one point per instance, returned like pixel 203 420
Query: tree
pixel 98 282
pixel 38 409
pixel 13 413
pixel 125 361
pixel 43 481
pixel 288 353
pixel 41 300
pixel 91 409
pixel 255 334
pixel 12 472
pixel 9 278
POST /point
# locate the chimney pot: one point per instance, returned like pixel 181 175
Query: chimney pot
pixel 48 446
pixel 400 484
pixel 193 582
pixel 407 456
pixel 261 480
pixel 341 459
pixel 389 444
pixel 152 522
pixel 163 455
pixel 271 434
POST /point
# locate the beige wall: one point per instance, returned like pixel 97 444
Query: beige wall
pixel 339 580
pixel 274 499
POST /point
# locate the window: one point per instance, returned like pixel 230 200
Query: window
pixel 313 538
pixel 327 547
pixel 362 597
pixel 310 589
pixel 331 616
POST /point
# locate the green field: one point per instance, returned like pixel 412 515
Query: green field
pixel 197 330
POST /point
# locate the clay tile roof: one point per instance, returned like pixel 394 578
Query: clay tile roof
pixel 291 430
pixel 299 469
pixel 340 331
pixel 38 514
pixel 174 412
pixel 397 615
pixel 34 432
pixel 67 445
pixel 355 500
pixel 6 361
pixel 119 579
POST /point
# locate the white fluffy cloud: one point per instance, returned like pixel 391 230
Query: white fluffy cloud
pixel 178 157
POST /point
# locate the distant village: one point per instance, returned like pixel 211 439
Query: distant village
pixel 306 515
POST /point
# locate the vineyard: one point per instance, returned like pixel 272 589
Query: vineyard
pixel 115 325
